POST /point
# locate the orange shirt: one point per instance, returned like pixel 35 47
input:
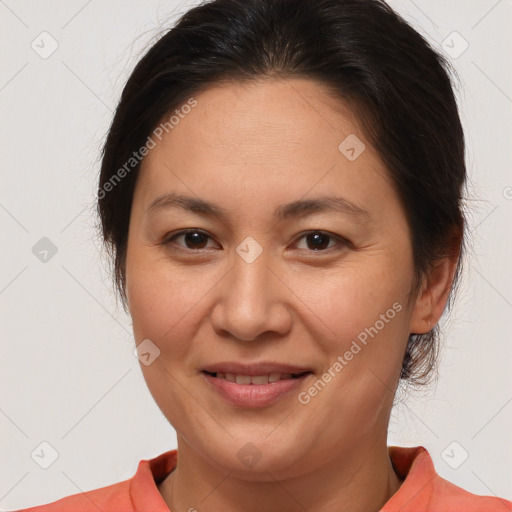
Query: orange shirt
pixel 423 490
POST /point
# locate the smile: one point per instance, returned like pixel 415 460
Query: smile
pixel 256 380
pixel 254 390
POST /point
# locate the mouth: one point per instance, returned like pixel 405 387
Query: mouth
pixel 256 380
pixel 252 386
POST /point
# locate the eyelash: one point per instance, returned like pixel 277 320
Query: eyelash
pixel 342 242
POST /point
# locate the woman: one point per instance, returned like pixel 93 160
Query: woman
pixel 281 194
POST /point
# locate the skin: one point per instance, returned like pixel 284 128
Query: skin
pixel 250 148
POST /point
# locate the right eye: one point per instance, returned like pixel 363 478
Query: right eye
pixel 194 240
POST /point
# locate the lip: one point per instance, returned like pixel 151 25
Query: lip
pixel 261 368
pixel 254 395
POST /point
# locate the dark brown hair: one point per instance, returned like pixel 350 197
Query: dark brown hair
pixel 363 51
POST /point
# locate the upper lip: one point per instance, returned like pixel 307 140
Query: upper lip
pixel 261 368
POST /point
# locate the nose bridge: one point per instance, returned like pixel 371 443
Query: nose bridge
pixel 250 302
pixel 250 285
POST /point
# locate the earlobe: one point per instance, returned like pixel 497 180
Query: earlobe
pixel 433 295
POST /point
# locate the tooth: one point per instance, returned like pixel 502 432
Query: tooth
pixel 259 379
pixel 256 379
pixel 243 379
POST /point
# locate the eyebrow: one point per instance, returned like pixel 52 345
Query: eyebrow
pixel 299 208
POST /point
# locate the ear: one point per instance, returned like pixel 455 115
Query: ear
pixel 433 296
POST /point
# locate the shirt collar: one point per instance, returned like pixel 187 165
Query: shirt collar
pixel 413 464
pixel 144 492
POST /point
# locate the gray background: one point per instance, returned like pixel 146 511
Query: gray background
pixel 68 373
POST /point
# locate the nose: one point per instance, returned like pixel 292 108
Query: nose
pixel 252 300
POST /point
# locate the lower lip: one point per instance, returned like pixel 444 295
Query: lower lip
pixel 252 395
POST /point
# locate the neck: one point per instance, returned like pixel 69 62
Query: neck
pixel 360 480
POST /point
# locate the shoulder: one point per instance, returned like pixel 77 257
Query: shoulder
pixel 424 489
pixel 449 497
pixel 114 498
pixel 133 495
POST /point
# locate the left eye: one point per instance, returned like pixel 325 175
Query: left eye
pixel 319 241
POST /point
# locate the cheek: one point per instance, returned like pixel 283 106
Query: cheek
pixel 366 314
pixel 166 302
pixel 364 320
pixel 165 306
pixel 350 302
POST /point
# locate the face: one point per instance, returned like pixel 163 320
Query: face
pixel 271 271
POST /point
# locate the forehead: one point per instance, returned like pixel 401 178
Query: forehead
pixel 286 117
pixel 269 137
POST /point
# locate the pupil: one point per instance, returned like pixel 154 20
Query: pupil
pixel 195 239
pixel 320 241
